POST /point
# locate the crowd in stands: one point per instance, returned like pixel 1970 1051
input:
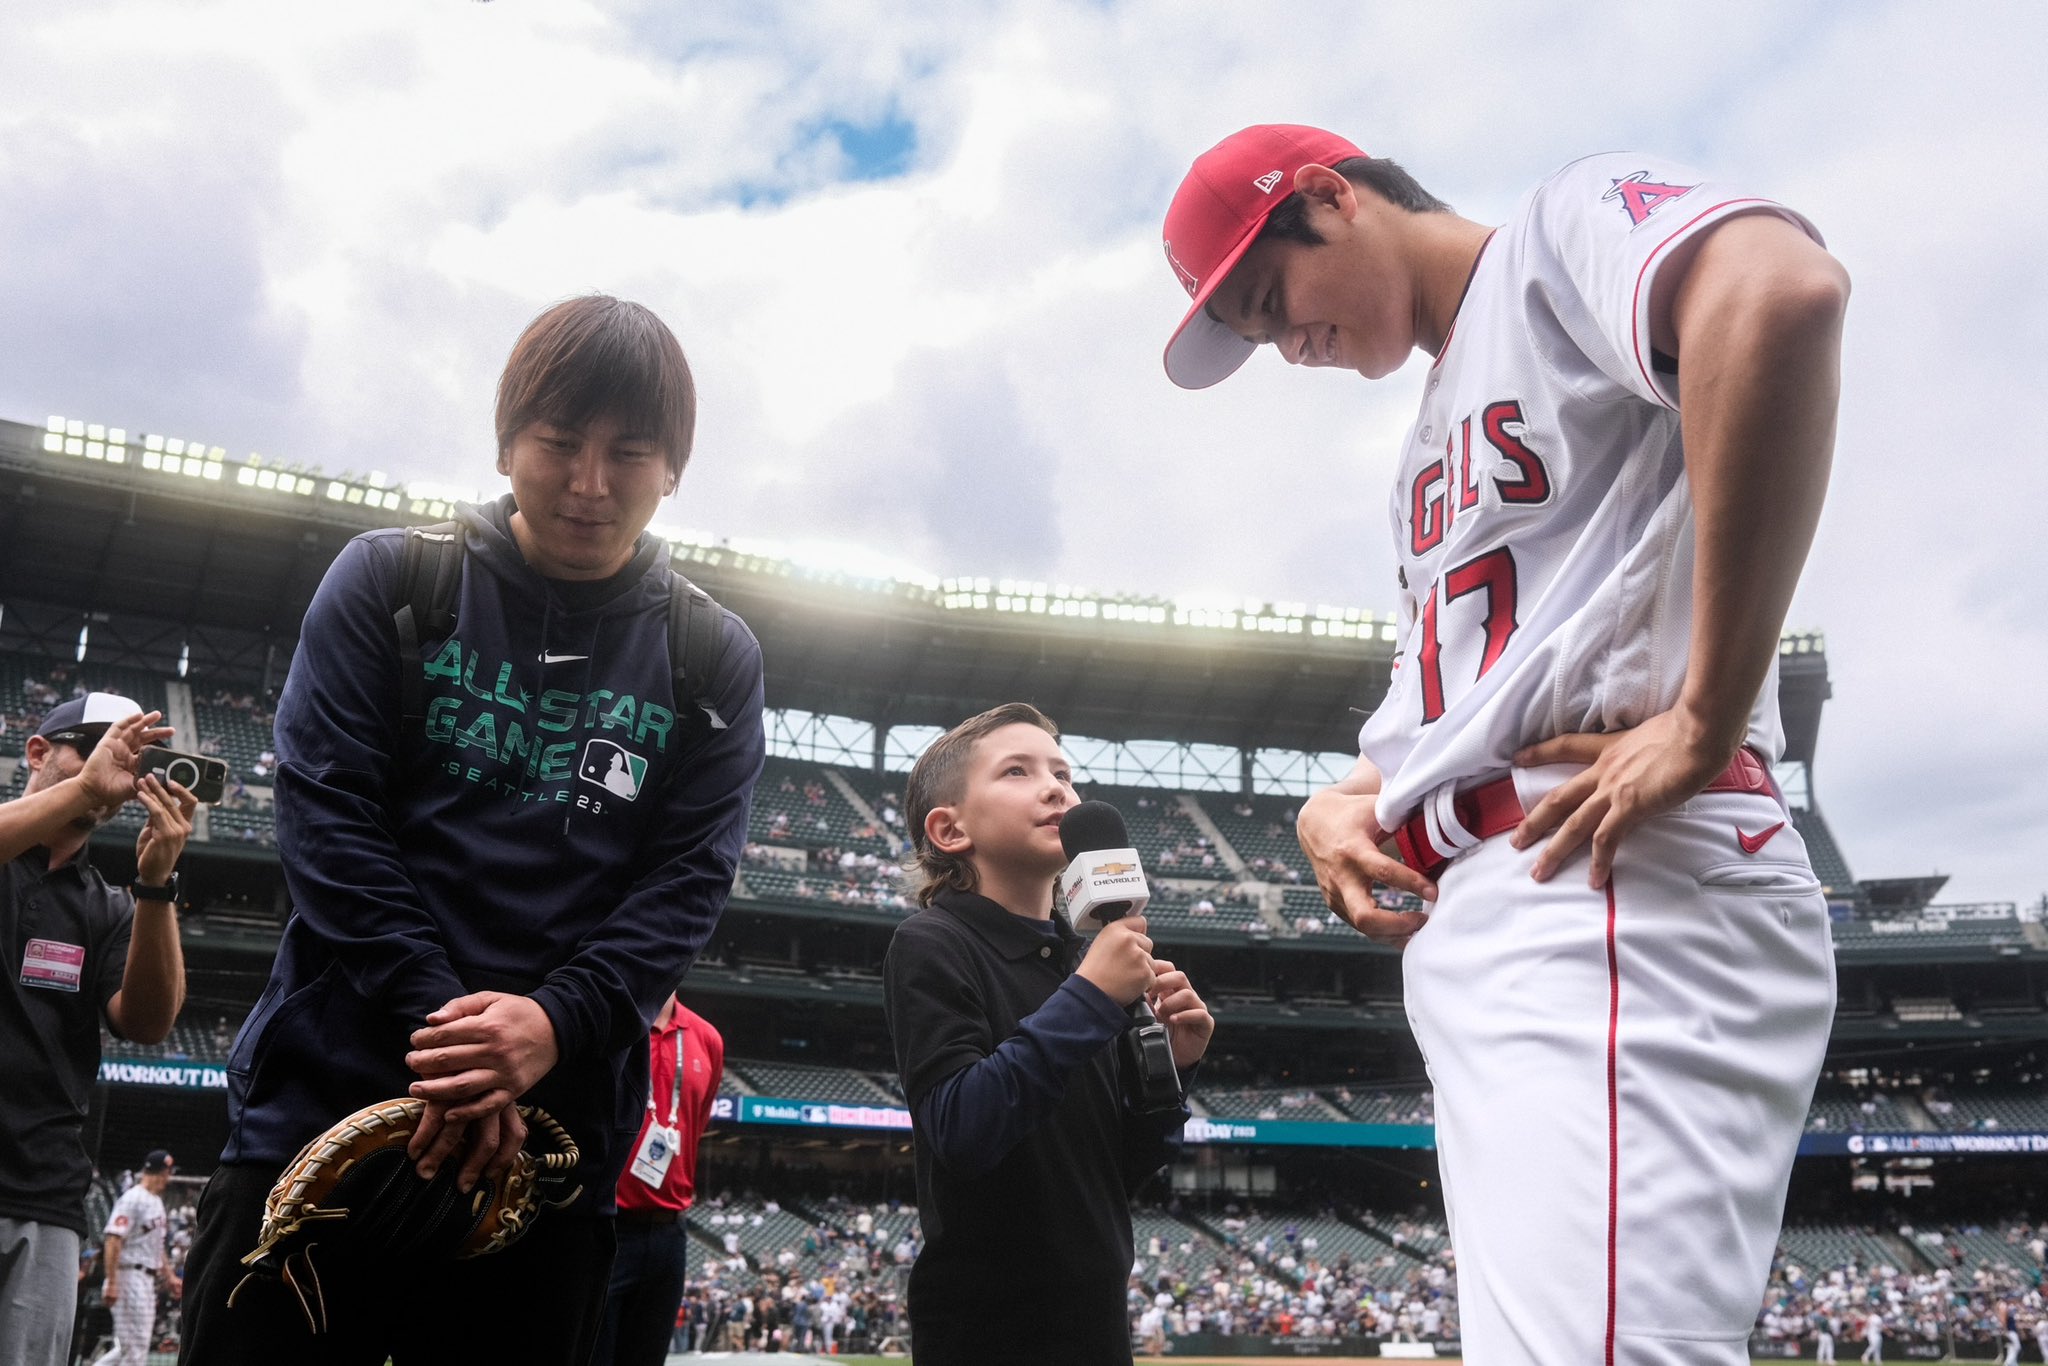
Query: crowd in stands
pixel 1878 1100
pixel 830 873
pixel 1928 1307
pixel 1282 1287
pixel 834 1281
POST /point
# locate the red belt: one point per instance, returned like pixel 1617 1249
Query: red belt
pixel 1494 808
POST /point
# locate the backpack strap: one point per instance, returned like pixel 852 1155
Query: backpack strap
pixel 429 575
pixel 696 639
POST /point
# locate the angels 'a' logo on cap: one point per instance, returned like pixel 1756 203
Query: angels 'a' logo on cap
pixel 1187 277
pixel 1267 181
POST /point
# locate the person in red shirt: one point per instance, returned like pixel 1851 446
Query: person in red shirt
pixel 686 1061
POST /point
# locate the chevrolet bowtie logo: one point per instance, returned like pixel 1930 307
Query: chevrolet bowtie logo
pixel 1112 869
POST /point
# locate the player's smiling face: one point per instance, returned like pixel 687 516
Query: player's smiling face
pixel 584 495
pixel 1346 302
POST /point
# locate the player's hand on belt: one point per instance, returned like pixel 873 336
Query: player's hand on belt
pixel 1631 775
pixel 1340 832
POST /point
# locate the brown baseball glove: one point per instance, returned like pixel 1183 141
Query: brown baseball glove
pixel 354 1185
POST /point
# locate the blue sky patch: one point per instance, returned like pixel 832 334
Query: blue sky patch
pixel 877 150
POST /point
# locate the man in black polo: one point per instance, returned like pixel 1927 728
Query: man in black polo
pixel 74 951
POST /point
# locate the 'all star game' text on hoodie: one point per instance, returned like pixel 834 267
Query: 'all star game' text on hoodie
pixel 553 828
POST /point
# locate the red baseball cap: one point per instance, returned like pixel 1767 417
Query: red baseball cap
pixel 1215 217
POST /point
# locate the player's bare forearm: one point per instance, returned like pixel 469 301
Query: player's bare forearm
pixel 1756 320
pixel 1759 324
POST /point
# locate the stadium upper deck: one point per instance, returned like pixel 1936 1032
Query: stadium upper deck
pixel 179 559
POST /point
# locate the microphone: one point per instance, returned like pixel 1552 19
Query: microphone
pixel 1104 882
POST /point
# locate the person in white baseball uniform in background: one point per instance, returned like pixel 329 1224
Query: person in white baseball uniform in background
pixel 133 1257
pixel 1594 574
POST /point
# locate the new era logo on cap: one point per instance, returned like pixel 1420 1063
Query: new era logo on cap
pixel 1213 221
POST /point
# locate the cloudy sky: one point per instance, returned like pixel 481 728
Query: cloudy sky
pixel 913 253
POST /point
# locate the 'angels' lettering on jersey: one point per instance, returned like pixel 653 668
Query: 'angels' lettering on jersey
pixel 1540 510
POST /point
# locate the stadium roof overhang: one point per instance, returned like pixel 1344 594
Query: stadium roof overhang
pixel 160 563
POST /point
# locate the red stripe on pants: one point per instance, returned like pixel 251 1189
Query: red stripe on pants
pixel 1613 1114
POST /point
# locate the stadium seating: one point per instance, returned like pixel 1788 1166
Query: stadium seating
pixel 1157 825
pixel 803 1081
pixel 1267 833
pixel 239 735
pixel 1982 929
pixel 1288 1242
pixel 1415 1105
pixel 1419 1237
pixel 1195 908
pixel 1267 1102
pixel 31 685
pixel 1171 1249
pixel 1989 1109
pixel 197 1036
pixel 1971 1246
pixel 761 1229
pixel 1828 864
pixel 796 804
pixel 1826 1247
pixel 243 825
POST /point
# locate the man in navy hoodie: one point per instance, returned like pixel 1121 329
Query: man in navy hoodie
pixel 489 904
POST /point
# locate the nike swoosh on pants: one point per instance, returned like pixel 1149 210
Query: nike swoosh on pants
pixel 1752 843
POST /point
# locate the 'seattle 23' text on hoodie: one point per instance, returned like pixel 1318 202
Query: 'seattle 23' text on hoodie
pixel 552 828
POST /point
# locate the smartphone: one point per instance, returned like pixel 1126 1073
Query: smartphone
pixel 205 778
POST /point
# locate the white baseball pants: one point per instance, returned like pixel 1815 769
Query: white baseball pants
pixel 134 1319
pixel 1622 1076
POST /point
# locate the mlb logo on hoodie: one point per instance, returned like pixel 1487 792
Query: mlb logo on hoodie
pixel 616 770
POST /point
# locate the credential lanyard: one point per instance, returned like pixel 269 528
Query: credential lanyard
pixel 675 1092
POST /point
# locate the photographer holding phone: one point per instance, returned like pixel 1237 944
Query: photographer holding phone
pixel 74 951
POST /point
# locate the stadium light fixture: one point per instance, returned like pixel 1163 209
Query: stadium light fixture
pixel 84 634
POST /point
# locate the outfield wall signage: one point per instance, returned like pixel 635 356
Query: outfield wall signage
pixel 730 1109
pixel 1911 1144
pixel 185 1076
pixel 815 1114
pixel 1309 1133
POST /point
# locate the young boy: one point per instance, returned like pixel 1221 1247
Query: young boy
pixel 1026 1153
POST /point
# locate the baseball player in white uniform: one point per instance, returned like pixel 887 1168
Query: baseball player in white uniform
pixel 1594 577
pixel 133 1257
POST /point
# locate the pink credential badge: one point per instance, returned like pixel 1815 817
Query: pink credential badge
pixel 52 965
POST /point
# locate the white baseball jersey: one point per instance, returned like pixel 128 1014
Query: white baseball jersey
pixel 138 1220
pixel 1541 513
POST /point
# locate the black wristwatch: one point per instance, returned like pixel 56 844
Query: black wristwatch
pixel 142 891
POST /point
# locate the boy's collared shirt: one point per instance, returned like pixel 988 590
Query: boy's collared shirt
pixel 1034 1248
